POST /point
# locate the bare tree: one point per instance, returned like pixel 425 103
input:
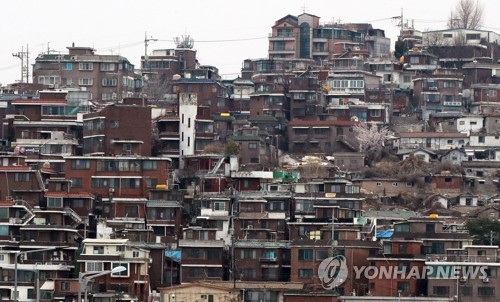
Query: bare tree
pixel 468 14
pixel 432 39
pixel 372 140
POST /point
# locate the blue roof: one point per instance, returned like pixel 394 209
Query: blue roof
pixel 385 234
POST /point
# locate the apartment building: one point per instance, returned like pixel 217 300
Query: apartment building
pixel 106 77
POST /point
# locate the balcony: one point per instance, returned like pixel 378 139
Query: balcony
pixel 320 53
pixel 462 258
pixel 169 135
pixel 287 50
pixel 269 259
pixel 281 37
pixel 205 135
pixel 210 212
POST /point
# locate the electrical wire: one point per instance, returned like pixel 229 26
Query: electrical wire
pixel 219 41
pixel 9 67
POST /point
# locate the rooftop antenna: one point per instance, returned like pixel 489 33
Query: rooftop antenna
pixel 304 8
pixel 25 65
pixel 185 41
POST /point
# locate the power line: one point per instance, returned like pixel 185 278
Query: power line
pixel 9 67
pixel 219 41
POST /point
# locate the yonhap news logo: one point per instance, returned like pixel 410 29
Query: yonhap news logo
pixel 332 272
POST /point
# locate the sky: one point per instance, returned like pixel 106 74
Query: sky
pixel 225 32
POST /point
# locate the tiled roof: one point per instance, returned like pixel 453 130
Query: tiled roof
pixel 432 134
pixel 69 195
pixel 15 168
pixel 304 123
pixel 38 101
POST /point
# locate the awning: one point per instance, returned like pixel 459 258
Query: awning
pixel 48 285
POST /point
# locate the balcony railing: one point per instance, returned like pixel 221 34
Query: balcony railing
pixel 462 258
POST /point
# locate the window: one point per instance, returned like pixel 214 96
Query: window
pixel 473 36
pixel 54 202
pixel 321 255
pixel 98 250
pixel 85 81
pixel 335 189
pixel 375 113
pixel 466 291
pixel 22 177
pixel 441 291
pixel 213 255
pixel 120 274
pixel 352 189
pixel 109 82
pixel 131 211
pixel 252 146
pixel 86 66
pixel 248 254
pixel 305 254
pixel 67 66
pixel 449 84
pixel 49 80
pixel 76 182
pixel 481 139
pixel 135 254
pixel 404 287
pixel 430 228
pixel 80 164
pixel 248 273
pixel 149 165
pixel 219 206
pixel 485 291
pixel 114 124
pixel 305 273
pixel 447 179
pixel 108 67
pixel 127 148
pixel 64 286
pixel 94 266
pixel 402 266
pixel 151 182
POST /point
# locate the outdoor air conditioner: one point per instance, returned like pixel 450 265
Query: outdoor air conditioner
pixel 486 280
pixel 250 227
pixel 463 279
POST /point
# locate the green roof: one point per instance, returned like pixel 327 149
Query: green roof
pixel 223 118
pixel 263 118
pixel 244 138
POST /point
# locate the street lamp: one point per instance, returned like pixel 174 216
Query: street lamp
pixel 83 280
pixel 16 257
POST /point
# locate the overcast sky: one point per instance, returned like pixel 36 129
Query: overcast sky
pixel 119 26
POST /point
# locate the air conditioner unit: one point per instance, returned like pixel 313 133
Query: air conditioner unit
pixel 463 279
pixel 486 280
pixel 73 58
pixel 250 227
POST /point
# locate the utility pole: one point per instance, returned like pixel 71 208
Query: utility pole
pixel 146 43
pixel 146 63
pixel 24 57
